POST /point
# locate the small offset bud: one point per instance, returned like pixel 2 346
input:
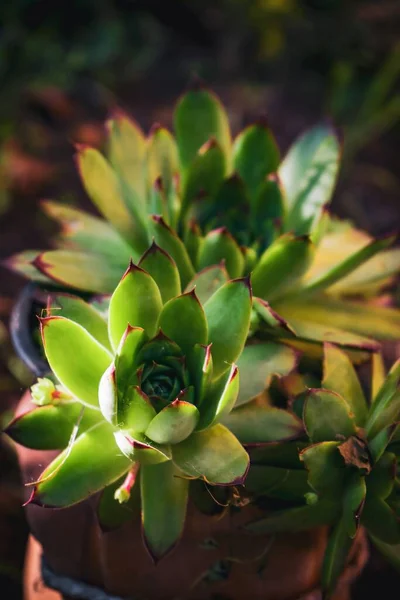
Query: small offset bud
pixel 43 392
pixel 123 493
pixel 311 498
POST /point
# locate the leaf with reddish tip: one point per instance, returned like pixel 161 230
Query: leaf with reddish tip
pixel 308 174
pixel 111 515
pixel 208 281
pixel 183 320
pixel 81 312
pixel 82 231
pixel 228 315
pixel 127 154
pixel 75 357
pixel 93 463
pixel 50 427
pixel 220 399
pixel 341 377
pixel 258 363
pixel 136 411
pixel 164 493
pixel 327 416
pixel 136 301
pixel 22 263
pixel 168 240
pixel 108 395
pixel 192 239
pixel 219 245
pixel 204 177
pixel 281 266
pixel 255 155
pixel 325 466
pixel 174 423
pixel 199 116
pixel 137 447
pixel 163 270
pixel 271 319
pixel 102 185
pixel 79 270
pixel 214 455
pixel 253 424
pixel 162 157
pixel 199 363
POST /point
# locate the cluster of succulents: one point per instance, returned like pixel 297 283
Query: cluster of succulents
pixel 237 270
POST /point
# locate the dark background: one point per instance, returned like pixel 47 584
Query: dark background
pixel 64 64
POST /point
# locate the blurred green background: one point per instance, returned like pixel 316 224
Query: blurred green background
pixel 63 65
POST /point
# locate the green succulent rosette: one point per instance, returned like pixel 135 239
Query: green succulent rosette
pixel 227 207
pixel 143 394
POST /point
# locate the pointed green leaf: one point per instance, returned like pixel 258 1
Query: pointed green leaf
pixel 327 416
pixel 167 239
pixel 218 402
pixel 300 518
pixel 258 363
pixel 228 315
pixel 219 245
pixel 378 374
pixel 137 447
pixel 101 183
pixel 192 239
pixel 81 312
pixel 334 274
pixel 308 174
pixel 85 232
pixel 380 481
pixel 162 157
pixel 136 411
pixel 271 319
pixel 127 359
pixel 281 266
pixel 380 520
pixel 337 550
pixel 278 454
pixel 228 208
pixel 341 377
pixel 93 463
pixel 108 395
pixel 83 271
pixel 158 201
pixel 325 466
pixel 183 320
pixel 75 357
pixel 135 301
pixel 174 423
pixel 214 455
pixel 208 281
pixel 353 502
pixel 164 495
pixel 163 270
pixel 199 363
pixel 204 176
pixel 50 427
pixel 253 424
pixel 127 153
pixel 199 116
pixel 378 444
pixel 268 206
pixel 255 155
pixel 386 406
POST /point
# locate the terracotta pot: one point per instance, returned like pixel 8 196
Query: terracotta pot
pixel 285 567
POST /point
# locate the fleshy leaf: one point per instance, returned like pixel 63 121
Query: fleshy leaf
pixel 199 116
pixel 50 427
pixel 380 520
pixel 381 480
pixel 167 239
pixel 108 395
pixel 271 319
pixel 268 208
pixel 228 315
pixel 137 412
pixel 281 266
pixel 327 416
pixel 162 157
pixel 276 482
pixel 163 270
pixel 164 493
pixel 386 405
pixel 80 270
pixel 127 358
pixel 378 444
pixel 378 374
pixel 300 518
pixel 254 425
pixel 199 362
pixel 135 301
pixel 308 174
pixel 137 447
pixel 218 402
pixel 208 281
pixel 219 245
pixel 255 155
pixel 341 377
pixel 353 502
pixel 183 320
pixel 214 455
pixel 93 463
pixel 75 357
pixel 326 468
pixel 81 312
pixel 339 544
pixel 258 363
pixel 174 423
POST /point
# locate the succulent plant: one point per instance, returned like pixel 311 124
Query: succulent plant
pixel 224 209
pixel 342 471
pixel 147 390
